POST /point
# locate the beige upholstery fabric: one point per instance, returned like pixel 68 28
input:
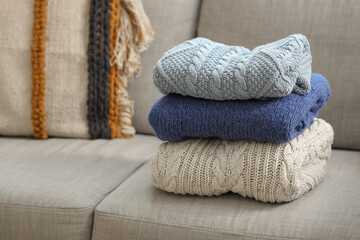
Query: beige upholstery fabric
pixel 332 27
pixel 66 68
pixel 137 210
pixel 50 188
pixel 173 22
pixel 15 67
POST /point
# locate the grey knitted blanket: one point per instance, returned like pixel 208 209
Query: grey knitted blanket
pixel 206 69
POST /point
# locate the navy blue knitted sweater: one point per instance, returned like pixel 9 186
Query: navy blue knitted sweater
pixel 176 118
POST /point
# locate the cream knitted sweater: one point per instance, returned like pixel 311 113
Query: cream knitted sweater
pixel 268 172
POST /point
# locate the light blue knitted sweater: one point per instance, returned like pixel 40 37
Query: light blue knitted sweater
pixel 205 69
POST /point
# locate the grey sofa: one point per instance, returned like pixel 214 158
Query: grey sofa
pixel 77 189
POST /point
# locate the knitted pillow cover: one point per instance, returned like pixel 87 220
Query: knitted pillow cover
pixel 268 172
pixel 65 65
pixel 176 117
pixel 205 69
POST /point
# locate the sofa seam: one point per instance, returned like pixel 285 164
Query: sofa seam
pixel 48 209
pixel 118 185
pixel 86 208
pixel 198 17
pixel 200 228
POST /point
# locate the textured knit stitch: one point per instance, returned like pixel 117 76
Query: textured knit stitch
pixel 176 118
pixel 99 68
pixel 206 69
pixel 38 67
pixel 268 172
pixel 114 116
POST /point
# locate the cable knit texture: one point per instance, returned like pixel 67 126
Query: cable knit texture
pixel 206 69
pixel 268 172
pixel 176 118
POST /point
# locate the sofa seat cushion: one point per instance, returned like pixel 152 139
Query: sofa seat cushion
pixel 137 210
pixel 50 188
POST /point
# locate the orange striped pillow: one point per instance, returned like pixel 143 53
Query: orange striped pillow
pixel 65 67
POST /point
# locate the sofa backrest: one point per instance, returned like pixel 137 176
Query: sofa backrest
pixel 333 30
pixel 174 22
pixel 332 27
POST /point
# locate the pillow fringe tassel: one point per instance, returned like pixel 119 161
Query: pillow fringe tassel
pixel 134 35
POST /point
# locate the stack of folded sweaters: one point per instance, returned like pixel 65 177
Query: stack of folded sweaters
pixel 240 121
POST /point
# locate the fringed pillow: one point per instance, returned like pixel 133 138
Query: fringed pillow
pixel 65 66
